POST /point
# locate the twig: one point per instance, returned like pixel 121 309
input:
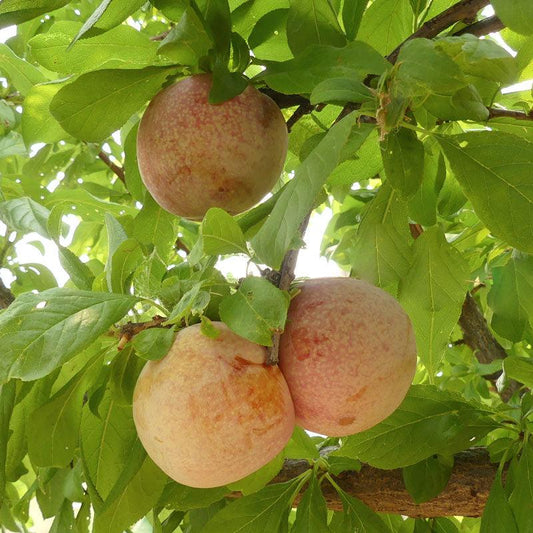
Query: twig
pixel 6 296
pixel 483 27
pixel 129 330
pixel 286 276
pixel 464 10
pixel 285 100
pixel 180 245
pixel 509 113
pixel 160 36
pixel 301 110
pixel 119 171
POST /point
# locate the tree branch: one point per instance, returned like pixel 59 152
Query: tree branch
pixel 286 276
pixel 129 330
pixel 483 27
pixel 464 10
pixel 509 113
pixel 384 490
pixel 119 171
pixel 6 296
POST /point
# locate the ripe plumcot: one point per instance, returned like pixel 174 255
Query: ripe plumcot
pixel 211 412
pixel 348 354
pixel 194 155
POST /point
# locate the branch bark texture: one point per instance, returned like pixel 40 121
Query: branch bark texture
pixel 384 491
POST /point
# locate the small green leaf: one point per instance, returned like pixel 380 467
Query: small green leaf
pixel 466 103
pixel 493 165
pixel 98 103
pixel 340 91
pixel 320 62
pixel 258 479
pixel 188 41
pixel 262 512
pixel 153 343
pixel 428 478
pixel 91 21
pixel 520 369
pixel 312 512
pixel 352 13
pixel 7 404
pixel 511 297
pixel 301 446
pixel 44 330
pixel 276 235
pixel 17 11
pixel 432 293
pixel 125 370
pixel 498 515
pixel 221 234
pixel 79 272
pixel 515 14
pixel 440 422
pixel 125 260
pixel 25 215
pixel 521 499
pixel 403 160
pixel 256 311
pixel 23 75
pixel 318 25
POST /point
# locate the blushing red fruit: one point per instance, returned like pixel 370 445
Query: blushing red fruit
pixel 348 354
pixel 211 412
pixel 194 155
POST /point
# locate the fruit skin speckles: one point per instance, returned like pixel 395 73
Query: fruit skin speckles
pixel 348 354
pixel 194 155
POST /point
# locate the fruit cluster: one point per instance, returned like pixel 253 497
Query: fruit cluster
pixel 211 411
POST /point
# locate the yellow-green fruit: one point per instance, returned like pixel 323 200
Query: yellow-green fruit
pixel 211 412
pixel 194 155
pixel 348 354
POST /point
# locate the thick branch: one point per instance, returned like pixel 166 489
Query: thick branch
pixel 119 171
pixel 483 27
pixel 129 330
pixel 464 10
pixel 384 491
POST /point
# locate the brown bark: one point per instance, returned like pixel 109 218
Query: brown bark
pixel 119 171
pixel 384 491
pixel 483 27
pixel 6 296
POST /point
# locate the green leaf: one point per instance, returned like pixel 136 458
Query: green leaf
pixel 423 68
pixel 314 23
pixel 521 499
pixel 17 11
pixel 256 311
pixel 379 251
pixel 432 293
pixel 47 329
pixel 125 370
pixel 98 103
pixel 107 442
pixel 54 433
pixel 340 91
pixel 153 343
pixel 262 512
pixel 12 144
pixel 269 36
pixel 25 215
pixel 121 47
pixel 494 170
pixel 194 301
pixel 320 62
pixel 91 21
pixel 358 517
pixel 258 479
pixel 134 182
pixel 403 160
pixel 7 403
pixel 498 515
pixel 428 478
pixel 301 446
pixel 23 75
pixel 64 519
pixel 520 369
pixel 440 422
pixel 480 57
pixel 115 13
pixel 511 297
pixel 221 234
pixel 352 13
pixel 522 128
pixel 312 512
pixel 137 498
pixel 184 498
pixel 125 260
pixel 188 41
pixel 515 14
pixel 386 23
pixel 80 274
pixel 276 235
pixel 466 103
pixel 155 226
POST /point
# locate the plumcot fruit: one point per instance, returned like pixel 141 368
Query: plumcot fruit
pixel 348 354
pixel 194 155
pixel 211 412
